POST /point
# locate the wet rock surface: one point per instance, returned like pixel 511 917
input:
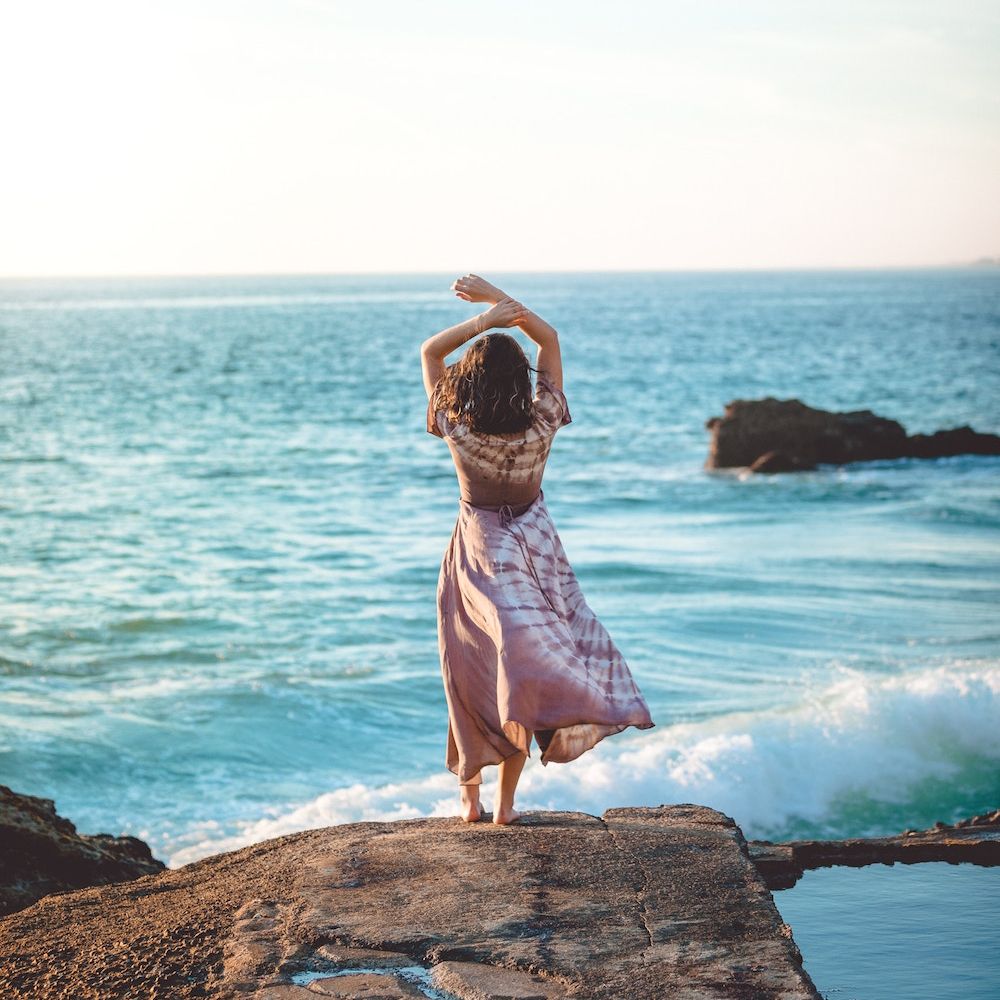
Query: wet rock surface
pixel 636 903
pixel 785 435
pixel 41 853
pixel 975 840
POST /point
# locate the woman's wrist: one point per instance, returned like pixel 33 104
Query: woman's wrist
pixel 480 323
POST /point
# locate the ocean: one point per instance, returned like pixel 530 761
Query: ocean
pixel 222 519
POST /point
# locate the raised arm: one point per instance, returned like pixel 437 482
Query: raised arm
pixel 472 288
pixel 434 350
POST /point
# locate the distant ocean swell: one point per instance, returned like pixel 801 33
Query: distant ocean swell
pixel 886 751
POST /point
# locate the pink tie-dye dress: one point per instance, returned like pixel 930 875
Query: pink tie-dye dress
pixel 521 651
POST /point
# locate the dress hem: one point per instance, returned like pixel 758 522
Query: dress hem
pixel 546 757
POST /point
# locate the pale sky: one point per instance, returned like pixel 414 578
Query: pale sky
pixel 277 136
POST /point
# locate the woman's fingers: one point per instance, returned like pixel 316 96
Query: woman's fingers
pixel 510 312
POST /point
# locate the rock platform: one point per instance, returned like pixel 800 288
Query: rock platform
pixel 637 903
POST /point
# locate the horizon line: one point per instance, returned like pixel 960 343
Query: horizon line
pixel 982 262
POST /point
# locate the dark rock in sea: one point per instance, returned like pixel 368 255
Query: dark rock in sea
pixel 42 853
pixel 974 840
pixel 957 441
pixel 786 435
pixel 637 903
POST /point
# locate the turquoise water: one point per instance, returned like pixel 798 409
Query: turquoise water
pixel 221 523
pixel 923 932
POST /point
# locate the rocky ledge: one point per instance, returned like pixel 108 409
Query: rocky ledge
pixel 786 435
pixel 42 853
pixel 638 903
pixel 975 840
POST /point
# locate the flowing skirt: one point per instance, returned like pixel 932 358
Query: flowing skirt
pixel 522 653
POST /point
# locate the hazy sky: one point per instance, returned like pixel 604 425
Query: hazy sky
pixel 316 135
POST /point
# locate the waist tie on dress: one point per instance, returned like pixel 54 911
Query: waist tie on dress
pixel 506 516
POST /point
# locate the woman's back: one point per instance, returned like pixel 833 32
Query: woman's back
pixel 498 469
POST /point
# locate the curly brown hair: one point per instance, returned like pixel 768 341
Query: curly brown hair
pixel 489 387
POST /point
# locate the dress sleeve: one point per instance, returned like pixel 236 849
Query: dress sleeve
pixel 434 419
pixel 551 405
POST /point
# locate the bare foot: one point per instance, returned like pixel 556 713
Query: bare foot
pixel 471 810
pixel 504 816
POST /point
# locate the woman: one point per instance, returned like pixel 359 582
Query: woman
pixel 522 653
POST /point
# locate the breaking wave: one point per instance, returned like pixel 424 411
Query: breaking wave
pixel 883 751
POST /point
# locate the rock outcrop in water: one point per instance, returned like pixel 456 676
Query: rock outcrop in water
pixel 786 435
pixel 975 840
pixel 42 853
pixel 637 903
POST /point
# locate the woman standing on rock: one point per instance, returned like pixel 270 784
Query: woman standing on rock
pixel 522 654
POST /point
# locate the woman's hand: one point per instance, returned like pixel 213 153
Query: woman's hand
pixel 472 288
pixel 507 312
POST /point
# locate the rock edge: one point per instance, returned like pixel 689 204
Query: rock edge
pixel 975 840
pixel 43 853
